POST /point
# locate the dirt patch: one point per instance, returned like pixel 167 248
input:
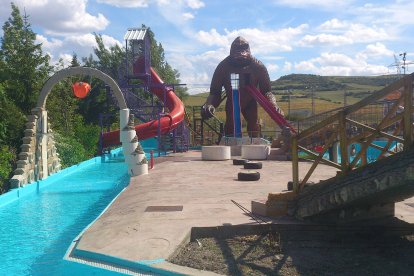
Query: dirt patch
pixel 316 253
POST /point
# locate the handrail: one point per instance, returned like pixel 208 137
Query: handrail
pixel 394 125
pixel 214 124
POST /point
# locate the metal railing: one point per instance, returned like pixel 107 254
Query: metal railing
pixel 205 132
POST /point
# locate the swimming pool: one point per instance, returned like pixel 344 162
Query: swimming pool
pixel 372 153
pixel 37 229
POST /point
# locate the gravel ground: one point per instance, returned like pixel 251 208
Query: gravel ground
pixel 306 253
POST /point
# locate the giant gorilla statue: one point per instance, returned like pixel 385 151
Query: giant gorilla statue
pixel 251 71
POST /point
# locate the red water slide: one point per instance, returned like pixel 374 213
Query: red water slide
pixel 167 121
pixel 269 108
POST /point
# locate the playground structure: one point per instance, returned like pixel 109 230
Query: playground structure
pixel 363 188
pixel 332 133
pixel 139 84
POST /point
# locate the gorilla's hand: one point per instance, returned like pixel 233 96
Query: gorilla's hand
pixel 207 111
pixel 269 95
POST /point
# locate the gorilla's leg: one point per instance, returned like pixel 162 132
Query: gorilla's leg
pixel 250 115
pixel 229 125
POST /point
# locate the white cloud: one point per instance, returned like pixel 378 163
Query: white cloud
pixel 346 33
pixel 195 4
pixel 322 4
pixel 66 58
pixel 46 44
pixel 271 57
pixel 177 14
pixel 188 16
pixel 336 64
pixel 272 67
pixel 306 66
pixel 315 40
pixel 59 17
pixel 362 33
pixel 397 13
pixel 377 50
pixel 261 41
pixel 196 70
pixel 199 68
pixel 192 4
pixel 86 40
pixel 82 45
pixel 333 24
pixel 126 3
pixel 287 66
pixel 212 37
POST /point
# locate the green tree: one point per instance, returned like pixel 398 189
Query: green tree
pixel 110 59
pixel 62 106
pixel 163 68
pixel 12 121
pixel 6 158
pixel 11 126
pixel 70 150
pixel 75 61
pixel 25 67
pixel 76 141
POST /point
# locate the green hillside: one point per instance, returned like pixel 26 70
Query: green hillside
pixel 326 89
pixel 329 83
pixel 306 81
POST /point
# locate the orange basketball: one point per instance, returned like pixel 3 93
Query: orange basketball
pixel 81 89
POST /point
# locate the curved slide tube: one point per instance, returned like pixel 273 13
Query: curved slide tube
pixel 167 122
pixel 269 108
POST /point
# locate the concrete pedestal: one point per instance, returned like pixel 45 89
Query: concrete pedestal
pixel 215 153
pixel 255 152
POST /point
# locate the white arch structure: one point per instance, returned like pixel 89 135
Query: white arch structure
pixel 72 71
pixel 38 158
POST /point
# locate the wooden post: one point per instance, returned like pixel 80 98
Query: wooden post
pixel 408 111
pixel 295 164
pixel 343 143
pixel 364 160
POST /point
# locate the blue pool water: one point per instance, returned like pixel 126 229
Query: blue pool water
pixel 39 222
pixel 372 153
pixel 36 231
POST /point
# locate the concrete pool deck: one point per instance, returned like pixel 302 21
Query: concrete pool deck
pixel 154 215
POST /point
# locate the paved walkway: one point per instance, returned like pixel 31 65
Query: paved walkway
pixel 146 221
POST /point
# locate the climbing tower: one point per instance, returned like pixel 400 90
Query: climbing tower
pixel 145 94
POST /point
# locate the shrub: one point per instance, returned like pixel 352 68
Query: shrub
pixel 70 151
pixel 6 159
pixel 88 136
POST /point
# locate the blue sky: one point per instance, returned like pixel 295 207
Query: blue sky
pixel 323 37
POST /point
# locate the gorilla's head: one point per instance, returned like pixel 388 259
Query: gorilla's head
pixel 240 52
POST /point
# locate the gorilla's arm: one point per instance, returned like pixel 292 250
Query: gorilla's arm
pixel 214 99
